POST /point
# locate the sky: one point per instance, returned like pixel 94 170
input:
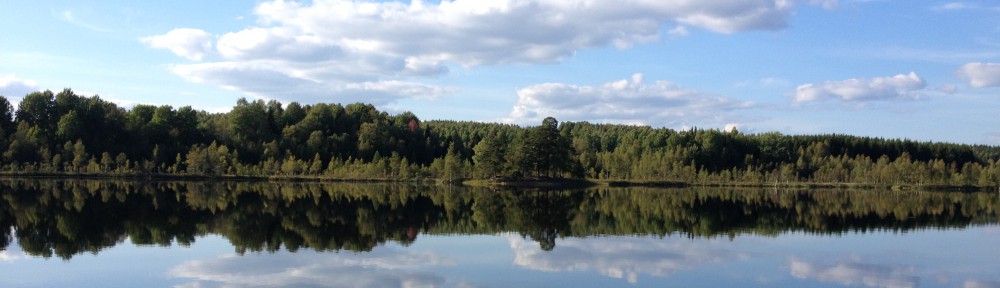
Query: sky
pixel 919 70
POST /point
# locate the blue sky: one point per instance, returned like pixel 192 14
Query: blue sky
pixel 923 70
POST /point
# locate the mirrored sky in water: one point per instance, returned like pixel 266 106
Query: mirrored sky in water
pixel 924 258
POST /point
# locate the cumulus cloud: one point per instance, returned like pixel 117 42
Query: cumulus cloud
pixel 627 101
pixel 621 258
pixel 981 74
pixel 380 268
pixel 335 42
pixel 474 32
pixel 260 80
pixel 730 127
pixel 901 86
pixel 193 44
pixel 15 88
pixel 853 273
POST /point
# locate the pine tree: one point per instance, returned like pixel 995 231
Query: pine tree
pixel 489 157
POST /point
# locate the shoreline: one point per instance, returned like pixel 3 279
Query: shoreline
pixel 549 183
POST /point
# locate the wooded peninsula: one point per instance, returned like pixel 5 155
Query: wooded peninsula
pixel 65 134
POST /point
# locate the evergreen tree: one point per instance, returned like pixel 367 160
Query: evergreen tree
pixel 542 151
pixel 489 157
pixel 454 168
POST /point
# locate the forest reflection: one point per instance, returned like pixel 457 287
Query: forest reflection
pixel 68 217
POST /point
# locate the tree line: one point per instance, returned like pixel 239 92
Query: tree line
pixel 66 133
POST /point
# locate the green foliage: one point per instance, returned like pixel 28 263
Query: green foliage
pixel 70 133
pixel 249 126
pixel 38 109
pixel 489 157
pixel 80 156
pixel 24 144
pixel 70 127
pixel 541 151
pixel 7 124
pixel 454 168
pixel 210 160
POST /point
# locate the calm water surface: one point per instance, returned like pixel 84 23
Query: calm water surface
pixel 238 234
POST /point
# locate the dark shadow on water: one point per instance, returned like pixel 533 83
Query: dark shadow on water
pixel 64 218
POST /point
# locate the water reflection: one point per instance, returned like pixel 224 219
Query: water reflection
pixel 622 257
pixel 10 255
pixel 379 268
pixel 65 218
pixel 980 284
pixel 856 272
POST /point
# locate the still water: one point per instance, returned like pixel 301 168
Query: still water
pixel 90 233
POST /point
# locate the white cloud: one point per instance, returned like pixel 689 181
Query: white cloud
pixel 952 6
pixel 981 74
pixel 621 258
pixel 275 43
pixel 730 127
pixel 901 86
pixel 14 88
pixel 625 101
pixel 193 44
pixel 386 89
pixel 259 79
pixel 853 273
pixel 123 103
pixel 338 42
pixel 473 32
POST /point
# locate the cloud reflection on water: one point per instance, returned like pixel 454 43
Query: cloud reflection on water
pixel 627 258
pixel 384 267
pixel 620 257
pixel 11 252
pixel 856 273
pixel 8 256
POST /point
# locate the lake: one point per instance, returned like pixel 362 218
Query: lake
pixel 99 233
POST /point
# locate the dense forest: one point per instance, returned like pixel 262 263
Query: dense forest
pixel 71 217
pixel 68 134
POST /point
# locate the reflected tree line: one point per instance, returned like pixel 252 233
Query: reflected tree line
pixel 65 218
